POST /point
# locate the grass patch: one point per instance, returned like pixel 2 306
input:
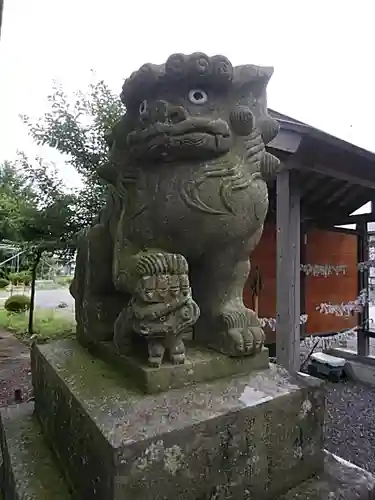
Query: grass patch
pixel 48 325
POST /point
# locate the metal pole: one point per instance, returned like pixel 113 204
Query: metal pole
pixel 12 257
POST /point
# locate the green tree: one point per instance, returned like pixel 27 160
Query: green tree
pixel 77 127
pixel 53 222
pixel 16 196
pixel 47 218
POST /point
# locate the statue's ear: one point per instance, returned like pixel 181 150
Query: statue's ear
pixel 252 78
pixel 269 127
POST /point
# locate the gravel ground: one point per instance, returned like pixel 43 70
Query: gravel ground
pixel 14 369
pixel 18 377
pixel 350 423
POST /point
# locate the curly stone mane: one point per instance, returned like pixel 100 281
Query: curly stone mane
pixel 197 69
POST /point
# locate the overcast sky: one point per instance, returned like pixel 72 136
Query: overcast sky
pixel 322 51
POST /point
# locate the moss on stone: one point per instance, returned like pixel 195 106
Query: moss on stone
pixel 201 365
pixel 121 440
pixel 29 470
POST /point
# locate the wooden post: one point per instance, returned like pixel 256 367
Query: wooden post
pixel 37 257
pixel 1 13
pixel 303 248
pixel 363 342
pixel 288 296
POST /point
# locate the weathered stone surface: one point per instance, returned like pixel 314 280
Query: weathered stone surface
pixel 341 480
pixel 253 435
pixel 188 199
pixel 29 472
pixel 201 365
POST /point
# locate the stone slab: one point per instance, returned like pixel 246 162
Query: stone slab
pixel 29 472
pixel 327 359
pixel 359 368
pixel 260 433
pixel 341 480
pixel 201 365
pixel 360 372
pixel 32 475
pixel 351 355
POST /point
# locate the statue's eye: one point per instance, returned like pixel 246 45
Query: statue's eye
pixel 198 96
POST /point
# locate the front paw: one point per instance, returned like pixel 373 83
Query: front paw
pixel 240 334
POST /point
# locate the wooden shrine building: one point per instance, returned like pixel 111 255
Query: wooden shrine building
pixel 322 181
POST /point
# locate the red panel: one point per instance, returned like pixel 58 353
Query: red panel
pixel 323 247
pixel 330 247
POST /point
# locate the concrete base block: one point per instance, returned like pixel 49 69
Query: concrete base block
pixel 341 480
pixel 253 436
pixel 28 470
pixel 201 365
pixel 359 368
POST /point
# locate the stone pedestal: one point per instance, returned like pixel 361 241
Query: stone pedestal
pixel 94 436
pixel 258 434
pixel 201 365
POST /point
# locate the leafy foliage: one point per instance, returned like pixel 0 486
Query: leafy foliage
pixel 34 207
pixel 41 213
pixel 23 277
pixel 53 220
pixel 47 220
pixel 16 196
pixel 17 303
pixel 77 128
pixel 3 283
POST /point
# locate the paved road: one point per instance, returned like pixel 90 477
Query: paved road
pixel 49 299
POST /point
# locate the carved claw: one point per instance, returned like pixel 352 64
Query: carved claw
pixel 240 335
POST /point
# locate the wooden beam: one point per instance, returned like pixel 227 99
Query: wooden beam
pixel 336 174
pixel 330 218
pixel 288 295
pixel 339 192
pixel 363 341
pixel 286 140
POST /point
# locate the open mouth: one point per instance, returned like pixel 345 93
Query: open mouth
pixel 191 131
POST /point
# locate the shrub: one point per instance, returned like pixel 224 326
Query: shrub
pixel 17 303
pixel 14 278
pixel 25 277
pixel 3 283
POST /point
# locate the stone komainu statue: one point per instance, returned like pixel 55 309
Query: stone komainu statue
pixel 187 204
